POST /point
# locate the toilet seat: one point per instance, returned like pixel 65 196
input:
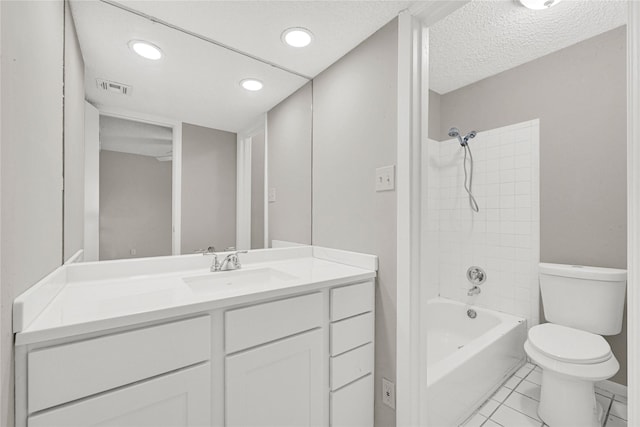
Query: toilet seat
pixel 569 345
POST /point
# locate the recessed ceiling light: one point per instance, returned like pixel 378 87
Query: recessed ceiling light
pixel 297 37
pixel 251 84
pixel 145 49
pixel 539 4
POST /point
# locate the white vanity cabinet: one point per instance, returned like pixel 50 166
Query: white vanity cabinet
pixel 180 399
pixel 277 384
pixel 274 365
pixel 146 376
pixel 298 359
pixel 352 355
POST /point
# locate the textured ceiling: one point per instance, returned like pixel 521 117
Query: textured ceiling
pixel 484 38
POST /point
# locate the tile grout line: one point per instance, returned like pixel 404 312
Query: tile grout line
pixel 606 408
pixel 606 415
pixel 509 394
pixel 524 395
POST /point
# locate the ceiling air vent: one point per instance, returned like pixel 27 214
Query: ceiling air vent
pixel 113 87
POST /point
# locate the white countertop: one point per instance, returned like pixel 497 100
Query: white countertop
pixel 85 298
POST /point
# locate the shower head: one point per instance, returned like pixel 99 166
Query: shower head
pixel 455 133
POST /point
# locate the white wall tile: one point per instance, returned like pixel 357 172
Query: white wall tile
pixel 503 238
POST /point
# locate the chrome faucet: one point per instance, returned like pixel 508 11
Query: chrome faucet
pixel 474 291
pixel 211 250
pixel 230 262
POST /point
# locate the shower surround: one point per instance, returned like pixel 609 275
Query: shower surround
pixel 503 237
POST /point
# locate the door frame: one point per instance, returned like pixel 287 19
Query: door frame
pixel 633 211
pixel 176 164
pixel 410 396
pixel 243 181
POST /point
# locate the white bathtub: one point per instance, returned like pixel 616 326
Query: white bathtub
pixel 468 359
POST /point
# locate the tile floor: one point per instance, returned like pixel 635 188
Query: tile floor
pixel 515 403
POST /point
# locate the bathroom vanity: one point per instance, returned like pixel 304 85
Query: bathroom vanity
pixel 286 340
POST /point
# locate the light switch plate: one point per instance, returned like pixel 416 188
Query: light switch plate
pixel 386 178
pixel 272 195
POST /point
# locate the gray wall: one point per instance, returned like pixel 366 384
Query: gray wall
pixel 31 161
pixel 208 188
pixel 579 94
pixel 354 132
pixel 73 140
pixel 135 206
pixel 289 167
pixel 257 191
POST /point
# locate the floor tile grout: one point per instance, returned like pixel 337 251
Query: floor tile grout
pixel 606 407
pixel 513 390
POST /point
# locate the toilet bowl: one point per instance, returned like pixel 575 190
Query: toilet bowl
pixel 572 361
pixel 581 304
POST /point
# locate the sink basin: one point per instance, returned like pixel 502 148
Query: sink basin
pixel 237 278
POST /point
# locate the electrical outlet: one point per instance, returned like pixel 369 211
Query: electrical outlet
pixel 272 195
pixel 385 178
pixel 388 393
pixel 132 251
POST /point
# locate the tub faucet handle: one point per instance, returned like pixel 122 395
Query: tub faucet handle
pixel 476 275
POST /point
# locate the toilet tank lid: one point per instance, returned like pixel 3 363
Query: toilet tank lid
pixel 584 272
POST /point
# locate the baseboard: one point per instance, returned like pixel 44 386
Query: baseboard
pixel 615 388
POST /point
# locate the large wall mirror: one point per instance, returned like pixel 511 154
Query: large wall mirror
pixel 176 149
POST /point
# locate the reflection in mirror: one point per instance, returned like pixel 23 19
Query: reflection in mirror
pixel 208 188
pixel 257 190
pixel 172 135
pixel 545 91
pixel 135 189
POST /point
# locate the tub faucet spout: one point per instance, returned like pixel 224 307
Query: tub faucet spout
pixel 474 291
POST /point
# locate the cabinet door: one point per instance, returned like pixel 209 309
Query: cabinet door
pixel 180 399
pixel 277 384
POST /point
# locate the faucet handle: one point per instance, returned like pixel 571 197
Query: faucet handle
pixel 476 275
pixel 236 258
pixel 210 250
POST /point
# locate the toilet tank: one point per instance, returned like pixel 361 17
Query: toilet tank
pixel 586 298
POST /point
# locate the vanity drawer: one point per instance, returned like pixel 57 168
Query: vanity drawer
pixel 351 333
pixel 352 300
pixel 351 365
pixel 68 372
pixel 258 324
pixel 352 406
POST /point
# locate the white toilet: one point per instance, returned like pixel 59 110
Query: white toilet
pixel 581 304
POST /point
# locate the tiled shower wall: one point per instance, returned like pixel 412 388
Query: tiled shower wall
pixel 503 237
